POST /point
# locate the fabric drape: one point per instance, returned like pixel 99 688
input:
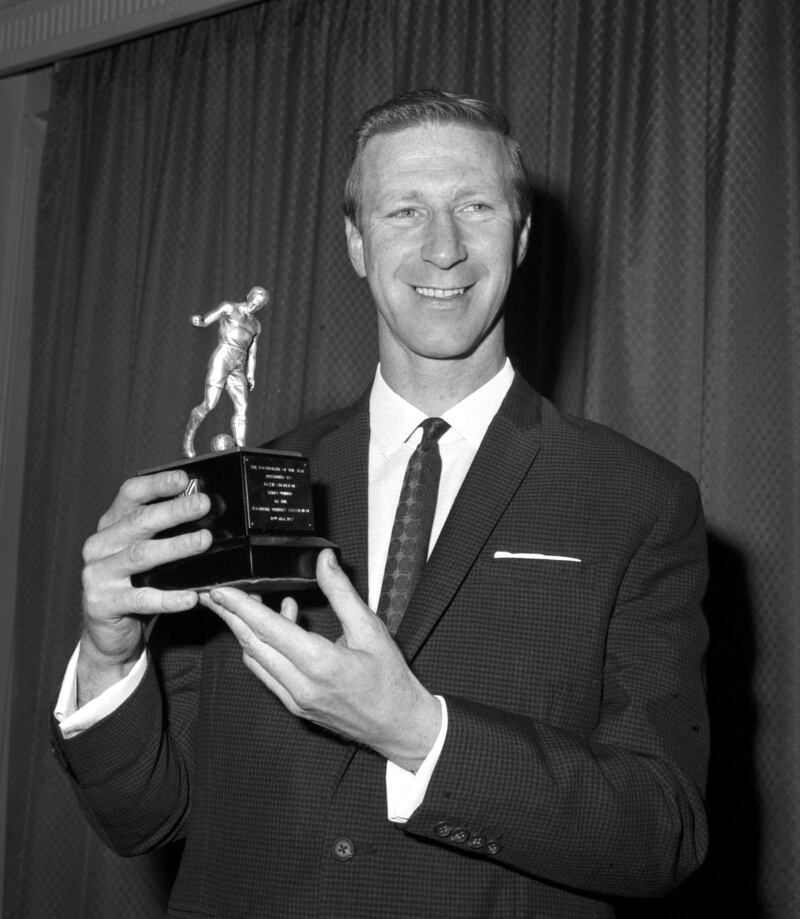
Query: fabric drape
pixel 661 295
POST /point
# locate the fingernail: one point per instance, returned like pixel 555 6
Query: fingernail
pixel 332 560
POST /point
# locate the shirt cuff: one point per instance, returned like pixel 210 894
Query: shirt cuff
pixel 73 720
pixel 405 790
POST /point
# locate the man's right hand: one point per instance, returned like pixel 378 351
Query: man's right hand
pixel 124 544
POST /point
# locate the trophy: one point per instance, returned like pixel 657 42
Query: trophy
pixel 261 515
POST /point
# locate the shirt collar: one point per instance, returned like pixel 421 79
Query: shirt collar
pixel 392 419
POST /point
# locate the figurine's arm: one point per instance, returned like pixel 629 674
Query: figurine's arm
pixel 251 363
pixel 213 315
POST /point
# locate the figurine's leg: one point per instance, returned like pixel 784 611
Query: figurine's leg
pixel 196 416
pixel 215 380
pixel 237 390
pixel 239 429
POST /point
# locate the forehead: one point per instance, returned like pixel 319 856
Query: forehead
pixel 437 155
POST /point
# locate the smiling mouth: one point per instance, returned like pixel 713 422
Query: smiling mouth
pixel 441 293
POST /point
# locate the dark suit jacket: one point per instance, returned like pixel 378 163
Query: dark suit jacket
pixel 574 765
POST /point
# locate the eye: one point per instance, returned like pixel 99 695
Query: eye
pixel 479 208
pixel 404 213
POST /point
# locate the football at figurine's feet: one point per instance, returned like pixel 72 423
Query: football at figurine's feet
pixel 221 442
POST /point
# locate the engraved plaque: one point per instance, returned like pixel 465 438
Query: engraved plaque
pixel 278 493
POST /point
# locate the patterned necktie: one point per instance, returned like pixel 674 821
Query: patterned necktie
pixel 411 533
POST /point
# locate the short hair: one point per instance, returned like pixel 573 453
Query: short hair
pixel 435 106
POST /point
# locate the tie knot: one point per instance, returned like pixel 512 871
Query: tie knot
pixel 432 430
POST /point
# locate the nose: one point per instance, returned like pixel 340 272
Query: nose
pixel 443 245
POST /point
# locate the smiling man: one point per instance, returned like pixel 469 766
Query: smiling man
pixel 494 705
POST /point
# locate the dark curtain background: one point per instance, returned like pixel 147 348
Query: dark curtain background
pixel 661 296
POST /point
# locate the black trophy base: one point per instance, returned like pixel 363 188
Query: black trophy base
pixel 261 522
pixel 262 564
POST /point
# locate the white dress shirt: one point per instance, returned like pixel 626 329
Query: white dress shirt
pixel 394 434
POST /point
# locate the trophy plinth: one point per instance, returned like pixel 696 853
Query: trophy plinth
pixel 261 520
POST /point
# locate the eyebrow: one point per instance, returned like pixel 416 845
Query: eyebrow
pixel 393 196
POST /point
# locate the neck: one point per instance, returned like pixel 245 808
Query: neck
pixel 435 385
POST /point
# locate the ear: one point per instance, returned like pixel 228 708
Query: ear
pixel 355 247
pixel 522 240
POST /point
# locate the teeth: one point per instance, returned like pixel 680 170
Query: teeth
pixel 440 293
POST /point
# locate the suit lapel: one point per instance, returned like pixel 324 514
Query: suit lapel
pixel 505 456
pixel 342 478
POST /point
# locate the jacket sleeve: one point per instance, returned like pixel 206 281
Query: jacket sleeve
pixel 618 810
pixel 132 770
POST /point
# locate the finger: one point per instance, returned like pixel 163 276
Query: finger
pixel 273 685
pixel 143 522
pixel 289 609
pixel 265 623
pixel 277 631
pixel 147 601
pixel 255 649
pixel 107 580
pixel 241 612
pixel 112 605
pixel 142 489
pixel 148 520
pixel 150 553
pixel 109 598
pixel 352 612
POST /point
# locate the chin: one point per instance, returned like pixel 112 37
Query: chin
pixel 445 350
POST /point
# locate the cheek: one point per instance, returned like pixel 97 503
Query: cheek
pixel 385 252
pixel 374 260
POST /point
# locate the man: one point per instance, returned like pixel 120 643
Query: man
pixel 529 739
pixel 232 364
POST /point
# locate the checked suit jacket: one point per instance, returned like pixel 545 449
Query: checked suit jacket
pixel 558 615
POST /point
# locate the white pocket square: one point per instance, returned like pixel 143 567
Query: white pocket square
pixel 539 556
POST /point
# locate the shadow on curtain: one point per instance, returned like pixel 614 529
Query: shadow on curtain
pixel 661 296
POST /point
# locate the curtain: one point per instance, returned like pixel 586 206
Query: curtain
pixel 661 296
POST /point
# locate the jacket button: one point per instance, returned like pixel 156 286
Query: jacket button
pixel 343 849
pixel 460 834
pixel 443 829
pixel 477 841
pixel 493 847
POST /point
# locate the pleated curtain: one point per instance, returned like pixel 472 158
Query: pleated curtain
pixel 661 296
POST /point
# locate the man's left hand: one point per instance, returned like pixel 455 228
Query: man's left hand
pixel 359 686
